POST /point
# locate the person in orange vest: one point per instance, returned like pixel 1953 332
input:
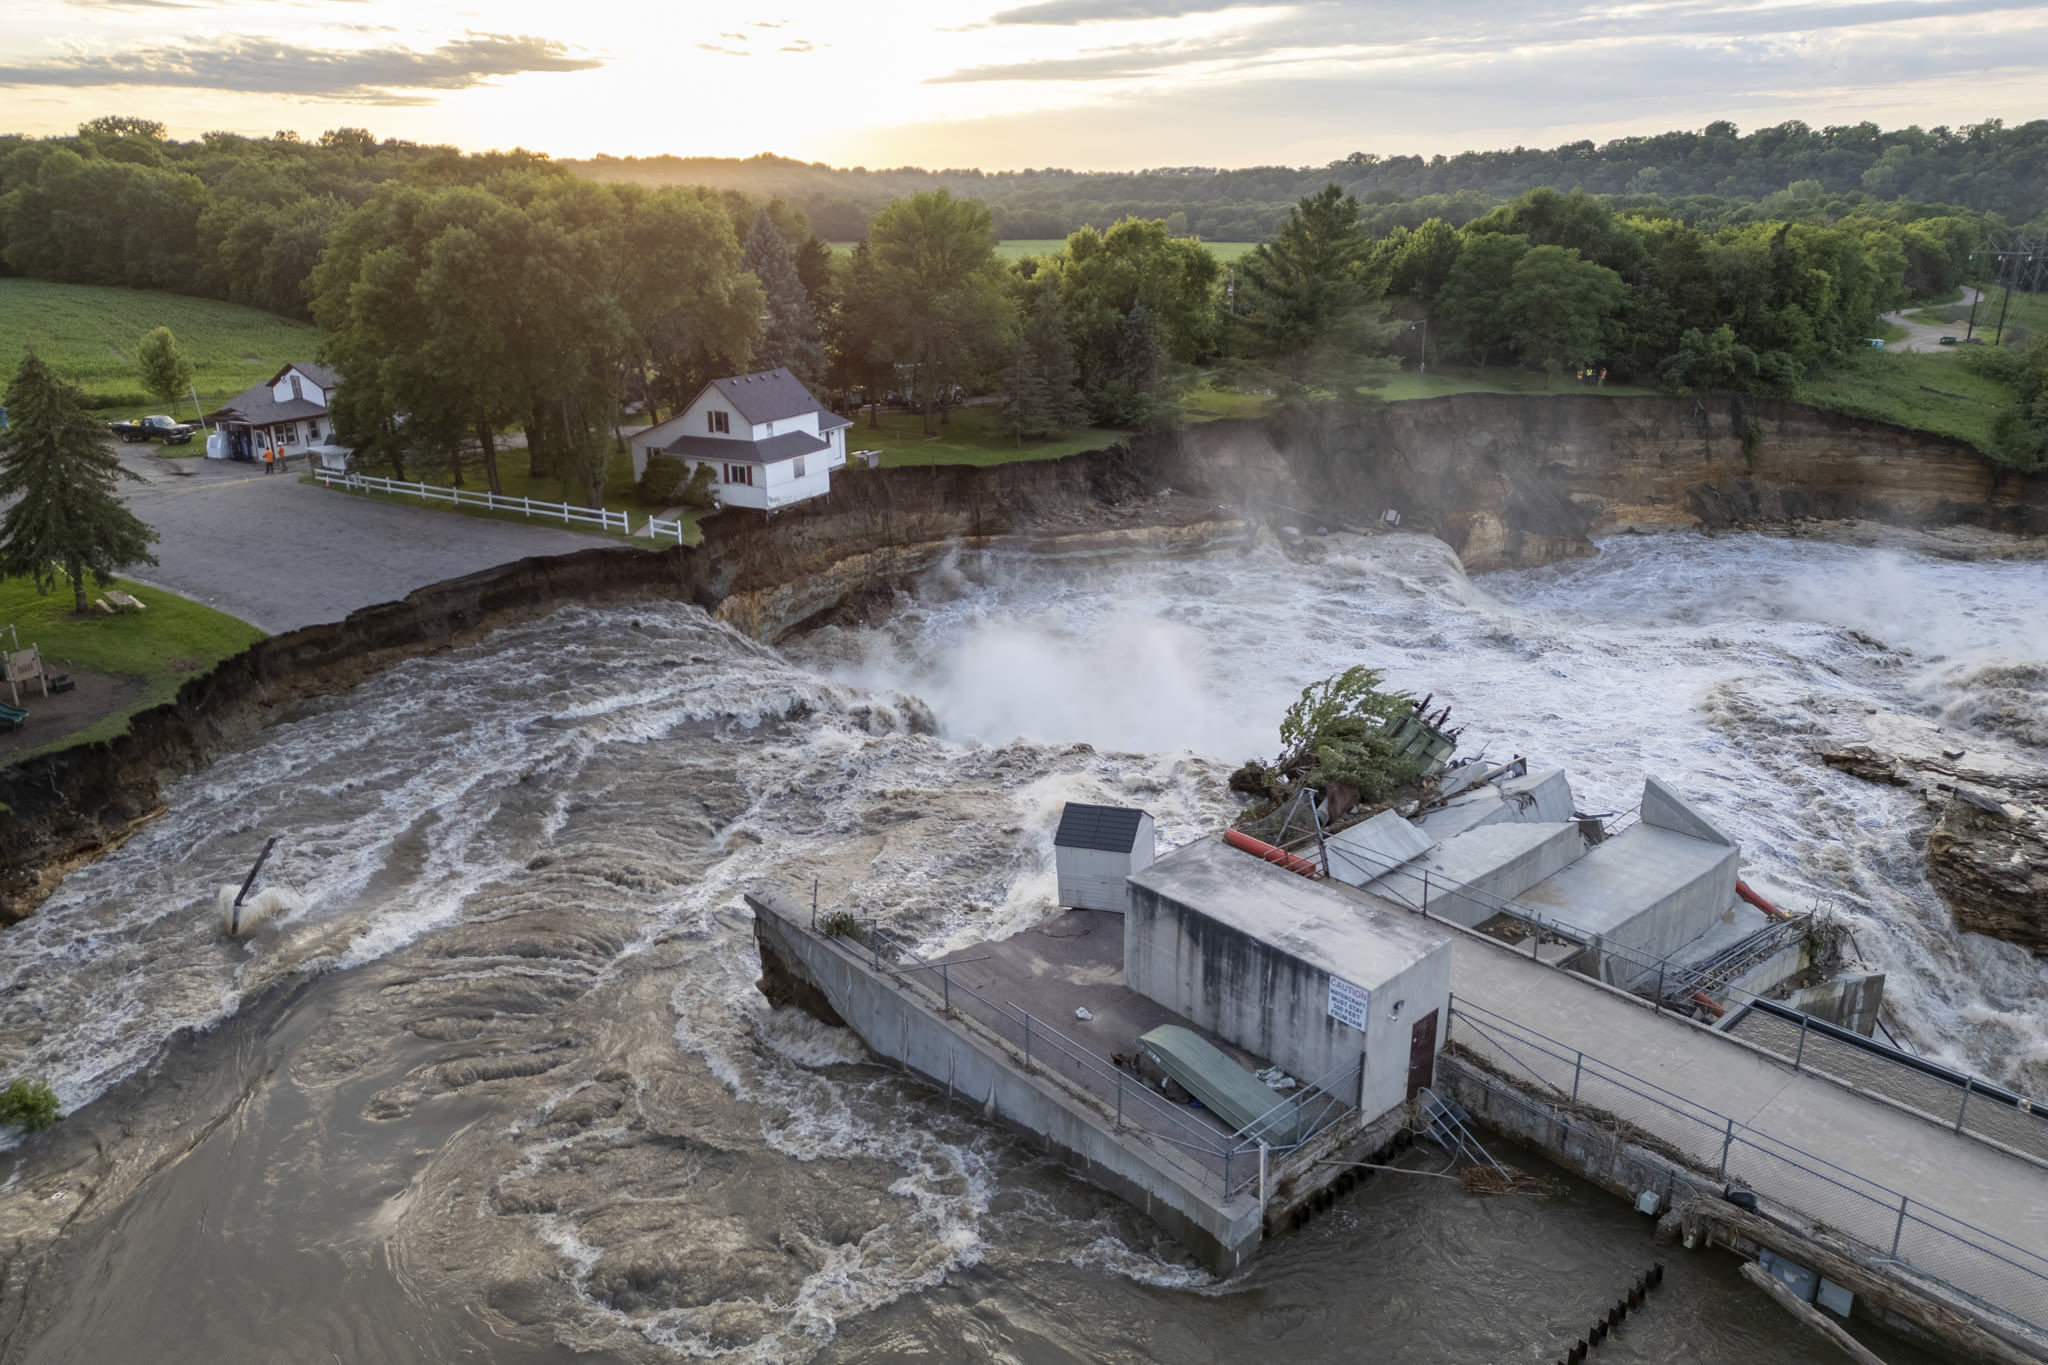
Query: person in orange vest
pixel 268 456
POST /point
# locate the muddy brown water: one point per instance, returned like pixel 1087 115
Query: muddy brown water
pixel 497 1083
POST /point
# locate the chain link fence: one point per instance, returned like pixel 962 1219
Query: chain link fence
pixel 1888 1223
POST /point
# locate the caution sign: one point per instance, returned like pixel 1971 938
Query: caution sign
pixel 1348 1003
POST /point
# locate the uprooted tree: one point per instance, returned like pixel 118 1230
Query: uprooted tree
pixel 1335 737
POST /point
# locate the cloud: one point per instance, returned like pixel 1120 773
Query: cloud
pixel 268 66
pixel 1100 11
pixel 800 45
pixel 1377 33
pixel 724 51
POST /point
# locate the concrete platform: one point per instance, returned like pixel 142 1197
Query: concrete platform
pixel 1499 860
pixel 1649 890
pixel 1544 796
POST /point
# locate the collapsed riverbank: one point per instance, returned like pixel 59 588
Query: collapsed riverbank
pixel 1506 481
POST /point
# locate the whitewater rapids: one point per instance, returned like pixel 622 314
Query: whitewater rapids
pixel 510 986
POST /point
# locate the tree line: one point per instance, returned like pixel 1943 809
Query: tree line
pixel 1698 176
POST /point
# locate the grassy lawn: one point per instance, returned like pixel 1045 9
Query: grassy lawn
pixel 972 436
pixel 89 333
pixel 172 639
pixel 517 480
pixel 1930 391
pixel 1206 404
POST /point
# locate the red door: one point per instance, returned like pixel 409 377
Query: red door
pixel 1422 1054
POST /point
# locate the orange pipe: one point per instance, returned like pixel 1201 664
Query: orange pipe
pixel 1742 890
pixel 1279 857
pixel 1702 998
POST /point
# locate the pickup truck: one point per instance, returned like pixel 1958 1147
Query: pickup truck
pixel 169 430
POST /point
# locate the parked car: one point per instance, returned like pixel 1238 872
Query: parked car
pixel 1948 341
pixel 169 430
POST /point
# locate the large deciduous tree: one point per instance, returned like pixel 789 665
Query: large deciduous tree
pixel 1559 309
pixel 944 313
pixel 66 522
pixel 1307 317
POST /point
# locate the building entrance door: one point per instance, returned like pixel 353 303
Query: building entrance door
pixel 1422 1054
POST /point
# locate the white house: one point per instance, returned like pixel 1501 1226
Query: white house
pixel 768 441
pixel 288 412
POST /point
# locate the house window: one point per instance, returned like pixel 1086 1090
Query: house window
pixel 718 421
pixel 739 473
pixel 798 464
pixel 296 391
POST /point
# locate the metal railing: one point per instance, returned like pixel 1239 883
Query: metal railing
pixel 1224 1161
pixel 1973 1107
pixel 1888 1224
pixel 463 497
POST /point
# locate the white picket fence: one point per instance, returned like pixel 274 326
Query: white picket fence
pixel 657 528
pixel 462 497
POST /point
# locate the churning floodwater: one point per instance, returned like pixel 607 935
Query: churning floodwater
pixel 497 1083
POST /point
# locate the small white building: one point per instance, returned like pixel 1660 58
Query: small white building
pixel 768 442
pixel 1095 848
pixel 287 412
pixel 1317 978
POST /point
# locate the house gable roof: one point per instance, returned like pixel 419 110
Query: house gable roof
pixel 768 396
pixel 327 379
pixel 771 450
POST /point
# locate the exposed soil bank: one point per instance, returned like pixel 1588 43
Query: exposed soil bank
pixel 1506 481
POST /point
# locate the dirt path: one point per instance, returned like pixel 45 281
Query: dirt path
pixel 1926 337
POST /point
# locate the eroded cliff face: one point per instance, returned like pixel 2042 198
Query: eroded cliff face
pixel 1507 481
pixel 1513 481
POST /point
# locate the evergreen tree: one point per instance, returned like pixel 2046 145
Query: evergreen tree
pixel 66 520
pixel 1137 392
pixel 1039 380
pixel 1307 314
pixel 790 335
pixel 163 368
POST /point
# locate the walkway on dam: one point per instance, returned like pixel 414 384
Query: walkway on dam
pixel 1966 1179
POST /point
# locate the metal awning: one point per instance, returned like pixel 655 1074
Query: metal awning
pixel 1239 1098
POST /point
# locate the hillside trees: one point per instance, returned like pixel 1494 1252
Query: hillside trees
pixel 66 522
pixel 1560 309
pixel 942 310
pixel 1040 396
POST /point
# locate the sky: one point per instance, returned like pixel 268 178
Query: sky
pixel 1085 84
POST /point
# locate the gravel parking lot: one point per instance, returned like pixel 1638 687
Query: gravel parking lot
pixel 281 554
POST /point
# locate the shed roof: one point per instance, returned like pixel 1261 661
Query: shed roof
pixel 1346 933
pixel 1112 829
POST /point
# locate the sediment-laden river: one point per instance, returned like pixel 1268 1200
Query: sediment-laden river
pixel 497 1084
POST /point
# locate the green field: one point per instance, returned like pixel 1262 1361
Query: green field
pixel 1932 391
pixel 173 638
pixel 972 436
pixel 1206 403
pixel 89 333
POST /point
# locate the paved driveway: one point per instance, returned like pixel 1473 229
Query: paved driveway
pixel 281 554
pixel 1921 336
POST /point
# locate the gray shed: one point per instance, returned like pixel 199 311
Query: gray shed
pixel 1096 848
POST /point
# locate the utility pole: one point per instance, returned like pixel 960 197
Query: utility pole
pixel 2019 265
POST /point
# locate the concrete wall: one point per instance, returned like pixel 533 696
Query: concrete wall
pixel 899 1027
pixel 1273 1004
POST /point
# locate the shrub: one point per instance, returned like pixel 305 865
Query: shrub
pixel 842 924
pixel 697 492
pixel 32 1104
pixel 663 477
